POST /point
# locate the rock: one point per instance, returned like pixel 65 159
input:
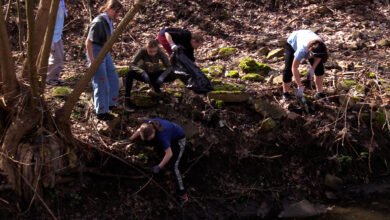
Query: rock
pixel 225 52
pixel 353 45
pixel 121 70
pixel 262 51
pixel 268 124
pixel 383 43
pixel 232 74
pixel 302 209
pixel 275 53
pixel 142 100
pixel 229 96
pixel 228 87
pixel 347 84
pixel 253 77
pixel 215 71
pixel 267 109
pixel 333 181
pixel 61 91
pixel 249 65
pixel 277 80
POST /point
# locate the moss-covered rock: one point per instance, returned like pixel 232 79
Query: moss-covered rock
pixel 253 77
pixel 268 124
pixel 216 81
pixel 219 104
pixel 225 52
pixel 215 71
pixel 232 74
pixel 372 75
pixel 276 53
pixel 142 100
pixel 304 72
pixel 249 65
pixel 262 51
pixel 61 91
pixel 205 70
pixel 347 84
pixel 268 109
pixel 122 70
pixel 229 87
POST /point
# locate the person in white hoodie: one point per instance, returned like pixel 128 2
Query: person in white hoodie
pixel 304 44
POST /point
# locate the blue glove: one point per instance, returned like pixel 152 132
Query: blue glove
pixel 145 77
pixel 156 169
pixel 299 92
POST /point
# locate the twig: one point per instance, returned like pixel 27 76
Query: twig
pixel 143 187
pixel 197 160
pixel 266 157
pixel 7 12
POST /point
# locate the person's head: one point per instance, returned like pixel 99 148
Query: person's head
pixel 148 130
pixel 113 8
pixel 318 49
pixel 196 39
pixel 152 48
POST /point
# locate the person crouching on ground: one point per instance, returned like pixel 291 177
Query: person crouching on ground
pixel 146 68
pixel 304 44
pixel 173 38
pixel 171 138
pixel 105 82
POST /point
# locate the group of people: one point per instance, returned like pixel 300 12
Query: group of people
pixel 145 67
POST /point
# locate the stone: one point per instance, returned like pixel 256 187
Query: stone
pixel 253 77
pixel 249 65
pixel 275 53
pixel 229 96
pixel 225 52
pixel 61 91
pixel 262 51
pixel 268 124
pixel 278 80
pixel 302 209
pixel 215 71
pixel 333 181
pixel 267 109
pixel 232 74
pixel 383 43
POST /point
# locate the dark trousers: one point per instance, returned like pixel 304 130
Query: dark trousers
pixel 173 165
pixel 288 61
pixel 131 75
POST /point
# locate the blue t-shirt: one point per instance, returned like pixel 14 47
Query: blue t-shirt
pixel 169 132
pixel 299 41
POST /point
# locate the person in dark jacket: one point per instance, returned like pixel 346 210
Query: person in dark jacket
pixel 170 137
pixel 174 38
pixel 146 67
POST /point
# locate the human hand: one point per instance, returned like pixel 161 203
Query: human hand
pixel 299 92
pixel 156 169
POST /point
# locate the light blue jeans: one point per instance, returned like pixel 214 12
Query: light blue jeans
pixel 105 83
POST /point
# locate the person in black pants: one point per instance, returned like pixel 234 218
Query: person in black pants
pixel 146 68
pixel 170 137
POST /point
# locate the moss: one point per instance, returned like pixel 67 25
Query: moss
pixel 226 51
pixel 229 87
pixel 380 117
pixel 226 92
pixel 216 81
pixel 61 91
pixel 219 104
pixel 122 71
pixel 372 75
pixel 348 83
pixel 232 74
pixel 216 71
pixel 304 72
pixel 253 77
pixel 360 88
pixel 249 65
pixel 205 70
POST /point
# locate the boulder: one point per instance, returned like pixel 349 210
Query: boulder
pixel 268 109
pixel 276 53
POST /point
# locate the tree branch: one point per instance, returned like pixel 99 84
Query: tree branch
pixel 63 114
pixel 31 58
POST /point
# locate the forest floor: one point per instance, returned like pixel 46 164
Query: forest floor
pixel 250 159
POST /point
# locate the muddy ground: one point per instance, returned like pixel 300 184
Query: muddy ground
pixel 236 164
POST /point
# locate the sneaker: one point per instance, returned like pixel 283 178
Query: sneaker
pixel 286 97
pixel 105 116
pixel 319 95
pixel 183 199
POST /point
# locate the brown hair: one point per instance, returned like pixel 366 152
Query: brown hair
pixel 111 4
pixel 318 49
pixel 146 129
pixel 152 43
pixel 197 36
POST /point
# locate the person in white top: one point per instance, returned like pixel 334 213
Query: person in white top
pixel 304 44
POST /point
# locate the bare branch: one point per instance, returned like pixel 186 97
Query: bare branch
pixel 64 113
pixel 31 58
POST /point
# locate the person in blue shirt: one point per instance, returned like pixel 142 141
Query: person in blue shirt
pixel 304 44
pixel 105 82
pixel 170 137
pixel 56 59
